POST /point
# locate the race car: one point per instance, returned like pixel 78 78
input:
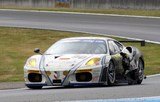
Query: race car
pixel 84 61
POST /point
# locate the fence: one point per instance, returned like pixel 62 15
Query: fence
pixel 91 4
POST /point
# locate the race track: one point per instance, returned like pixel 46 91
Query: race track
pixel 134 27
pixel 150 87
pixel 142 28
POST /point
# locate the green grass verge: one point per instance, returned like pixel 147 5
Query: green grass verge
pixel 155 13
pixel 17 44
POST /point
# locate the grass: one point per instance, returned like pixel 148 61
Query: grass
pixel 137 12
pixel 17 44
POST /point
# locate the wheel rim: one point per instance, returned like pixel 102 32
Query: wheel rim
pixel 111 73
pixel 141 70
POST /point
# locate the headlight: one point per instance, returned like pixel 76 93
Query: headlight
pixel 93 61
pixel 31 62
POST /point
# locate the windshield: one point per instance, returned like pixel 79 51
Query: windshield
pixel 85 46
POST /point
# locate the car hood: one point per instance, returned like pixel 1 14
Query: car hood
pixel 64 62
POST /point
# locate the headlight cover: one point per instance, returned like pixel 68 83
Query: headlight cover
pixel 31 62
pixel 93 61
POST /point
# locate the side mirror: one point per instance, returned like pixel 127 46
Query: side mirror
pixel 37 50
pixel 129 49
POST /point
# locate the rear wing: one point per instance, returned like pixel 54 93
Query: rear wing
pixel 142 42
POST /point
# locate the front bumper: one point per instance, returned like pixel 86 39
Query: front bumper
pixel 64 80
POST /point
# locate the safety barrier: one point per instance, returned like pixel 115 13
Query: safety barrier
pixel 85 4
pixel 142 42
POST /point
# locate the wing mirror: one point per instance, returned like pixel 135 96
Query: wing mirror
pixel 129 49
pixel 37 50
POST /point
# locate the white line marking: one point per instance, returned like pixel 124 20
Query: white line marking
pixel 149 41
pixel 141 99
pixel 62 12
pixel 154 75
pixel 13 89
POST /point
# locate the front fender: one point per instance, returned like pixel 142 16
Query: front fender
pixel 107 60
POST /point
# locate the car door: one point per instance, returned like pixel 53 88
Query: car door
pixel 115 50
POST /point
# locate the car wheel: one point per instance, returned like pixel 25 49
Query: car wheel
pixel 140 72
pixel 34 87
pixel 137 75
pixel 111 74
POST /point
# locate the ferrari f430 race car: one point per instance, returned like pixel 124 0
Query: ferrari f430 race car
pixel 84 61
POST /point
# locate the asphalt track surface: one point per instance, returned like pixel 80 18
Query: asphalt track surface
pixel 149 88
pixel 134 27
pixel 143 28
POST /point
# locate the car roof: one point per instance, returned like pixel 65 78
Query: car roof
pixel 94 38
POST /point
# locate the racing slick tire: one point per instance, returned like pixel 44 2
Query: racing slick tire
pixel 111 74
pixel 138 74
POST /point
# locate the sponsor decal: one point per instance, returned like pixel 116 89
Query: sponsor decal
pixel 64 58
pixel 55 75
pixel 65 73
pixel 79 57
pixel 48 73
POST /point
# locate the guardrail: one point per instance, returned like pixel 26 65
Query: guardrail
pixel 142 42
pixel 84 4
